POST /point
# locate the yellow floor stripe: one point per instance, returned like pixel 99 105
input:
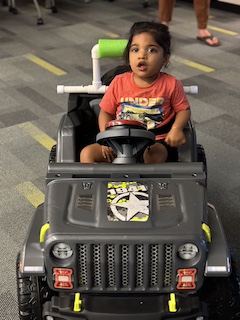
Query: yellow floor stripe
pixel 44 64
pixel 112 35
pixel 231 33
pixel 31 193
pixel 38 135
pixel 192 64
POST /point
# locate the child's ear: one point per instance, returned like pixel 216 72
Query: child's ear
pixel 166 61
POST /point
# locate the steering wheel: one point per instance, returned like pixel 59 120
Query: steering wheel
pixel 127 138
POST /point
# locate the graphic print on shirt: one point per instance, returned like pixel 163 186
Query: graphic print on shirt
pixel 127 201
pixel 151 115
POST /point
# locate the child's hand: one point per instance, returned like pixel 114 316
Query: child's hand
pixel 108 154
pixel 175 137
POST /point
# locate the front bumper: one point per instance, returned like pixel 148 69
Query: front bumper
pixel 125 307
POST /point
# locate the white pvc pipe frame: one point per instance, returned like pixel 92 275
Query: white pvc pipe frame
pixel 97 86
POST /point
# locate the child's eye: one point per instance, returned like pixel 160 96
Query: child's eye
pixel 152 50
pixel 134 49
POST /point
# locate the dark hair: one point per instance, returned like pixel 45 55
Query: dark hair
pixel 159 32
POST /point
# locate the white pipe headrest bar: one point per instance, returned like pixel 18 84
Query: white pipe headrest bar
pixel 103 89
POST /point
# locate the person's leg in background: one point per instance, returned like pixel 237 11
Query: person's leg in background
pixel 165 11
pixel 202 9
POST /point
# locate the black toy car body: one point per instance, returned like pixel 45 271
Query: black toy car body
pixel 123 240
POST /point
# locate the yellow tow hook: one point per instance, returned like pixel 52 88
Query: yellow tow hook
pixel 43 231
pixel 172 303
pixel 77 303
pixel 207 231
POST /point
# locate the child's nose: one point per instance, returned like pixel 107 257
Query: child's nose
pixel 142 54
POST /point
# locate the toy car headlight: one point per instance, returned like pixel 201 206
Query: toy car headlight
pixel 62 251
pixel 187 251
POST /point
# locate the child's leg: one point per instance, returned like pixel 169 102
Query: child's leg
pixel 92 154
pixel 155 154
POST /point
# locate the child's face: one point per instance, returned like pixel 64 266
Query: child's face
pixel 146 58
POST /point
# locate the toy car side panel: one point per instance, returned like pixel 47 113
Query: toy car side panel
pixel 188 151
pixel 31 255
pixel 218 261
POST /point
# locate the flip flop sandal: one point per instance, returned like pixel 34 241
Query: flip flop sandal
pixel 204 40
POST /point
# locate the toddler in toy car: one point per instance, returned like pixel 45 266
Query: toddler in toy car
pixel 146 94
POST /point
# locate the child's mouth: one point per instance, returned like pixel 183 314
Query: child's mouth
pixel 142 66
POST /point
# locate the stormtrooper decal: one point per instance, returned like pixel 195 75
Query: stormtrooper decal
pixel 128 201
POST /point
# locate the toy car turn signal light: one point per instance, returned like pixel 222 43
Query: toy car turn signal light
pixel 62 278
pixel 186 279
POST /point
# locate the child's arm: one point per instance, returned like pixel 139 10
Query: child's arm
pixel 175 136
pixel 103 119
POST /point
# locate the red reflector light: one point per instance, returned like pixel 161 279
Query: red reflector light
pixel 62 278
pixel 186 279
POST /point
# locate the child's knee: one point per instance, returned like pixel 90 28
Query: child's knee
pixel 155 154
pixel 91 153
pixel 86 155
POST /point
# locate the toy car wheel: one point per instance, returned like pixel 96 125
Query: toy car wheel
pixel 29 296
pixel 53 152
pixel 222 295
pixel 201 155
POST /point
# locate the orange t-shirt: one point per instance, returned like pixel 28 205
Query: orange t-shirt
pixel 156 104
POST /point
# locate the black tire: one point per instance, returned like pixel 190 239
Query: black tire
pixel 29 302
pixel 32 292
pixel 222 295
pixel 53 152
pixel 201 156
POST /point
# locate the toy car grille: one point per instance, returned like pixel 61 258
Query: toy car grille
pixel 125 267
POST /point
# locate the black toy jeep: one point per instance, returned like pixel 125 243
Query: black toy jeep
pixel 124 240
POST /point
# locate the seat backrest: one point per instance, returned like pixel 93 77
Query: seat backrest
pixel 78 127
pixel 94 104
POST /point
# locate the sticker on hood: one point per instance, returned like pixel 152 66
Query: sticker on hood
pixel 128 201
